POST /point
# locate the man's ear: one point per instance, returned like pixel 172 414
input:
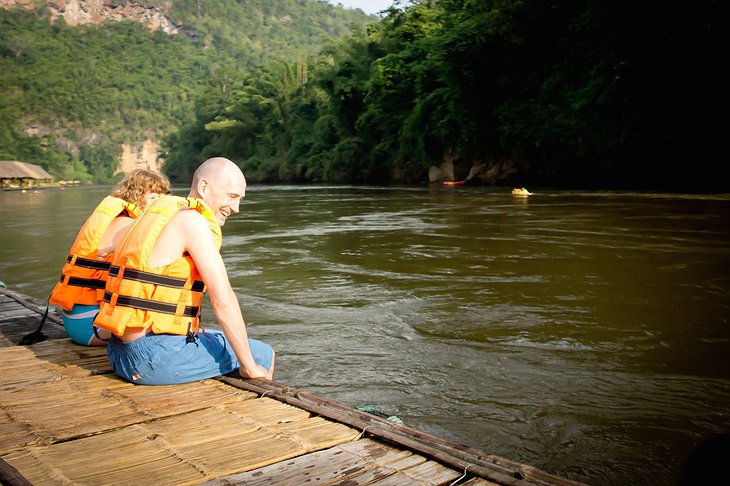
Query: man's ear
pixel 202 187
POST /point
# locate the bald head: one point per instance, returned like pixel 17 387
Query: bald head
pixel 221 184
pixel 214 169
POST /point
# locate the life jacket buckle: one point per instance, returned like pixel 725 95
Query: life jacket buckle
pixel 191 336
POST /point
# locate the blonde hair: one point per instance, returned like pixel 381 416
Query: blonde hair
pixel 138 183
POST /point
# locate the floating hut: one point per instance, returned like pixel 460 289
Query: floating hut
pixel 19 175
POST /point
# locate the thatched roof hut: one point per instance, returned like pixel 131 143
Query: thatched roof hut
pixel 12 169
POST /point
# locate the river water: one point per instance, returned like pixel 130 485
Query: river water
pixel 584 333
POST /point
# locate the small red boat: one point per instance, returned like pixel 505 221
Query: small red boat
pixel 453 183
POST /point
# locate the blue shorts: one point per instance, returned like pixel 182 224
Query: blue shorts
pixel 169 359
pixel 79 323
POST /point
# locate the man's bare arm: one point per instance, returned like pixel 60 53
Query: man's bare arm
pixel 199 243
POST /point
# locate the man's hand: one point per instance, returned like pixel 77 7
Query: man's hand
pixel 258 372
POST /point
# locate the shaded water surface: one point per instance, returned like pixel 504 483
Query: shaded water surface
pixel 583 333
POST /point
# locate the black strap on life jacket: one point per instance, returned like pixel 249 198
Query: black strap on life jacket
pixel 96 333
pixel 156 279
pixel 87 263
pixel 150 305
pixel 91 283
pixel 36 336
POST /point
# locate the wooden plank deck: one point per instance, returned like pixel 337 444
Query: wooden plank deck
pixel 65 418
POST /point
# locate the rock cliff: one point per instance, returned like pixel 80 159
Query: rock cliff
pixel 140 156
pixel 143 154
pixel 79 12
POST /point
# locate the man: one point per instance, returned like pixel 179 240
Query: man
pixel 155 286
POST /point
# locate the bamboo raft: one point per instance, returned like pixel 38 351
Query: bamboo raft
pixel 65 418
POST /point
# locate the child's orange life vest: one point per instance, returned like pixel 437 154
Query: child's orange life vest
pixel 83 276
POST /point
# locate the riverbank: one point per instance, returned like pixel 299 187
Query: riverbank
pixel 22 185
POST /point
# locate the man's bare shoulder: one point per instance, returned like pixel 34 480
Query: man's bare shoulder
pixel 190 225
pixel 187 217
pixel 187 231
pixel 186 225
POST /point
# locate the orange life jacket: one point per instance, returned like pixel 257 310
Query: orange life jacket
pixel 84 274
pixel 164 299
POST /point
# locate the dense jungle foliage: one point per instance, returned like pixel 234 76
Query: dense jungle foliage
pixel 69 96
pixel 573 93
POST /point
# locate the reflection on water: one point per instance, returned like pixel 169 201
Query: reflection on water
pixel 584 333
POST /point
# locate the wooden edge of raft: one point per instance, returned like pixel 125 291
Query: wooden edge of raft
pixel 473 461
pixel 10 476
pixel 30 303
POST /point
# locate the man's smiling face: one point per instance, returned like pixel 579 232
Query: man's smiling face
pixel 224 193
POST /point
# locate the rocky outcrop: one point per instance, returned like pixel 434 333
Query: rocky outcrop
pixel 27 4
pixel 497 171
pixel 79 12
pixel 445 171
pixel 142 155
pixel 136 155
pixel 453 168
